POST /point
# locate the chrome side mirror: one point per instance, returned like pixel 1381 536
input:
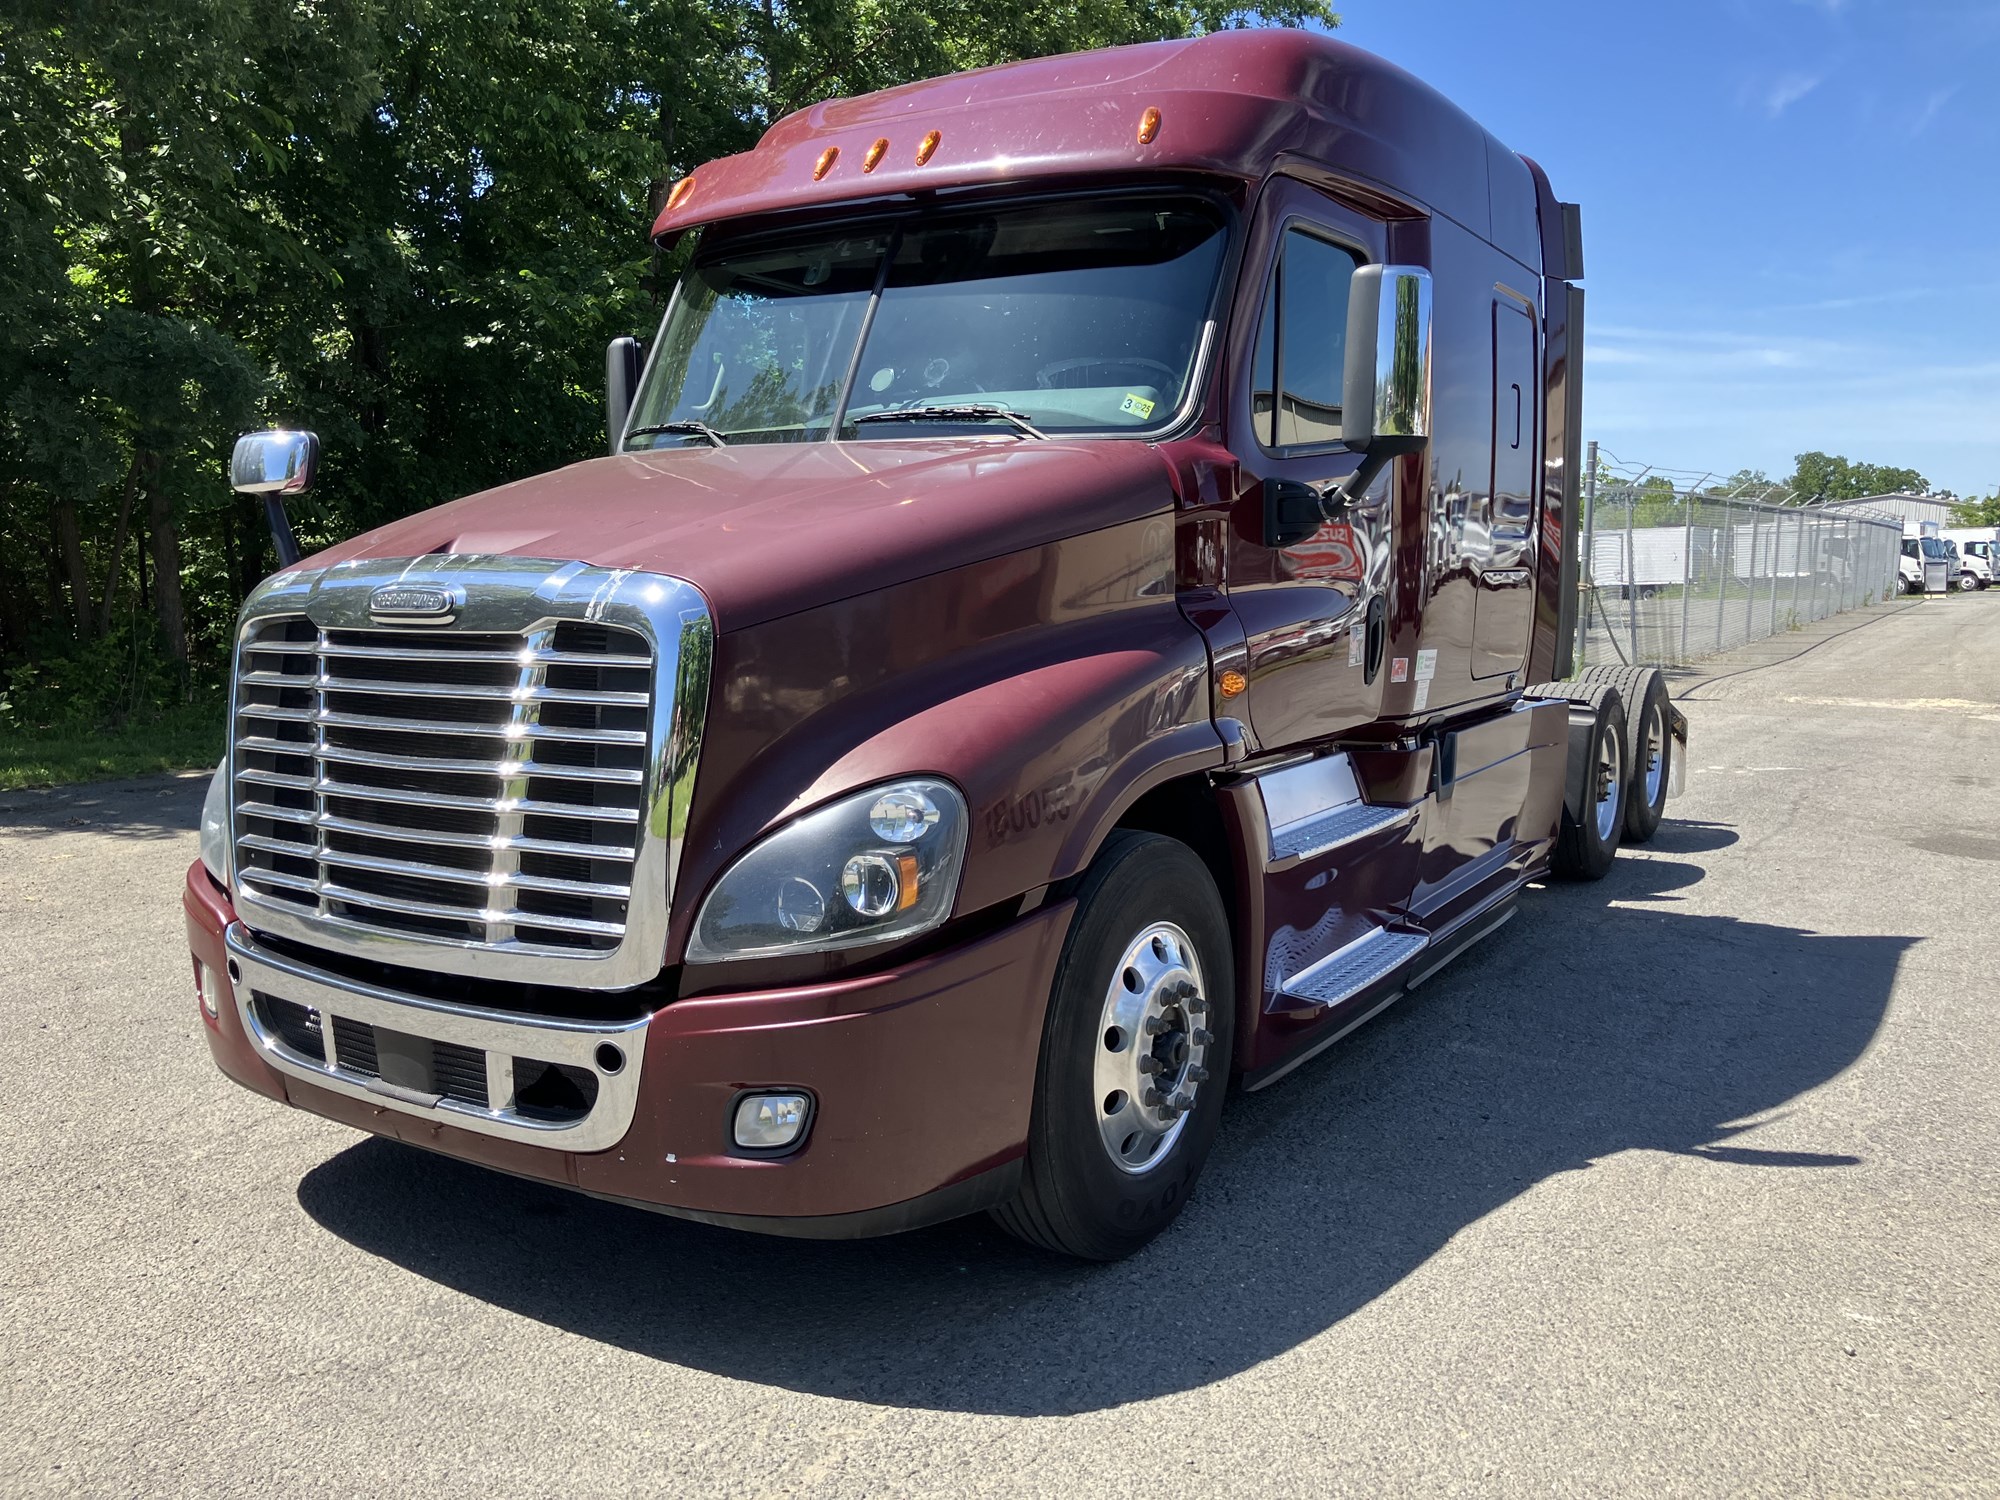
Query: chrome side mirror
pixel 274 465
pixel 623 361
pixel 1386 389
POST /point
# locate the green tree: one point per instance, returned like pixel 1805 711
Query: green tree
pixel 1977 512
pixel 1824 476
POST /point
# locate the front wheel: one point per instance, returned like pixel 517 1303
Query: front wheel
pixel 1135 1054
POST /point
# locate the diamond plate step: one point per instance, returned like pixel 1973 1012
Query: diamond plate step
pixel 1327 832
pixel 1350 970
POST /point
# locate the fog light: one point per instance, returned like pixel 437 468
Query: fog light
pixel 766 1122
pixel 207 985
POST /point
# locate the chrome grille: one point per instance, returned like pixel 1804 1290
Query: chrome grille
pixel 477 788
pixel 509 796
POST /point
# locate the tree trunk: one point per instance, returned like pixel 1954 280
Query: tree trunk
pixel 69 547
pixel 114 572
pixel 166 565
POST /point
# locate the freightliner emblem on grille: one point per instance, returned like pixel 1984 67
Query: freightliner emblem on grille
pixel 415 605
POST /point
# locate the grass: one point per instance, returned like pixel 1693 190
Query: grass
pixel 176 739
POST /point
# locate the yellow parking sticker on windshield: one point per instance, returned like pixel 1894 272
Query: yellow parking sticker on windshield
pixel 1137 406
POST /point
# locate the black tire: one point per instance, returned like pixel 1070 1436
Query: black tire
pixel 1643 692
pixel 1075 1199
pixel 1590 835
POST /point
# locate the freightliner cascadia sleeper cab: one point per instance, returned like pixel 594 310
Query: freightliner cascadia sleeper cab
pixel 1075 616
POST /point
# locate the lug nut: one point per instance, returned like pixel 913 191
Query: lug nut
pixel 1196 1005
pixel 1152 1098
pixel 1202 1036
pixel 1183 1103
pixel 1149 1064
pixel 1155 1025
pixel 1197 1074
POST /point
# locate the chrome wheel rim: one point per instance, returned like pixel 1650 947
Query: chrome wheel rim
pixel 1656 752
pixel 1151 1048
pixel 1610 772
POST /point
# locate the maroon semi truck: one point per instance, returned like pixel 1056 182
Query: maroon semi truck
pixel 1076 613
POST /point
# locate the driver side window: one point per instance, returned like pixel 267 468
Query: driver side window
pixel 1302 344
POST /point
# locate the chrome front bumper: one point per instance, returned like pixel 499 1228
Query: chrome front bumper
pixel 609 1053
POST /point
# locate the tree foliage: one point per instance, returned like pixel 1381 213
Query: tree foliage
pixel 410 226
pixel 1984 512
pixel 1825 476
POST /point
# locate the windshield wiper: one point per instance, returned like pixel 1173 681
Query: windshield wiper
pixel 683 429
pixel 970 412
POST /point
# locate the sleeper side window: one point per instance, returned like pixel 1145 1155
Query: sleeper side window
pixel 1302 345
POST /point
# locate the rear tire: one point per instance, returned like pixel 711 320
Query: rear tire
pixel 1145 987
pixel 1590 835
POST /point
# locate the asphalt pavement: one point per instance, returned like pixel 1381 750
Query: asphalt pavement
pixel 1685 1183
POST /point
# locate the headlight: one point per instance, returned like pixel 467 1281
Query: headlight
pixel 215 825
pixel 880 864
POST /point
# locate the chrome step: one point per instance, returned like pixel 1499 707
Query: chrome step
pixel 1327 832
pixel 1348 971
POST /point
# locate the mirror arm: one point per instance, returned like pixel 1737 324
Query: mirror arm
pixel 282 538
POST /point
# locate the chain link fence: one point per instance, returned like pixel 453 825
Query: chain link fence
pixel 1672 571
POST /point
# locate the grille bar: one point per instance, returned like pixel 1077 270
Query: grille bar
pixel 332 719
pixel 389 688
pixel 453 800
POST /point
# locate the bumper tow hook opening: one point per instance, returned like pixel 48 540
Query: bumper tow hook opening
pixel 610 1059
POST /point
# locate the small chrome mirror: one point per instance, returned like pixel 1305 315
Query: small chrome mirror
pixel 1386 395
pixel 274 463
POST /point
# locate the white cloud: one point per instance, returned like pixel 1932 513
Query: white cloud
pixel 1789 89
pixel 1933 106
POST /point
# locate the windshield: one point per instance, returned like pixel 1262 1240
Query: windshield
pixel 1078 317
pixel 1933 548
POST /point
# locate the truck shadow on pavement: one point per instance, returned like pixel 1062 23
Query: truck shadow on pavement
pixel 1605 1020
pixel 145 807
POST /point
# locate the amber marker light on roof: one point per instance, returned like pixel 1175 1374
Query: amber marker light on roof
pixel 679 194
pixel 1233 684
pixel 874 157
pixel 825 163
pixel 927 147
pixel 1149 126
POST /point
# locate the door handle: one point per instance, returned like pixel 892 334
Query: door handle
pixel 1517 415
pixel 1378 638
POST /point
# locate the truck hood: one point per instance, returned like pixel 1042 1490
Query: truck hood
pixel 768 529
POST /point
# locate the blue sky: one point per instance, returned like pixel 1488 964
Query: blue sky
pixel 1791 213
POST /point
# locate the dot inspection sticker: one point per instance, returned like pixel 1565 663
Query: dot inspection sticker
pixel 1137 406
pixel 1399 669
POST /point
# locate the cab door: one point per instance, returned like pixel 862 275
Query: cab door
pixel 1500 546
pixel 1312 611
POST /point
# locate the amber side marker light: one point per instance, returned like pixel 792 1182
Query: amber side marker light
pixel 927 147
pixel 874 157
pixel 1149 126
pixel 1233 684
pixel 678 195
pixel 825 163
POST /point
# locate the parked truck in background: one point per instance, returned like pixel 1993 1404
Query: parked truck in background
pixel 1975 554
pixel 1077 613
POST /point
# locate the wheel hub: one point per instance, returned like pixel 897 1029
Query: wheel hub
pixel 1152 1044
pixel 1610 771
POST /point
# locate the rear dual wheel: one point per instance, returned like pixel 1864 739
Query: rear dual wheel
pixel 1649 746
pixel 1135 1054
